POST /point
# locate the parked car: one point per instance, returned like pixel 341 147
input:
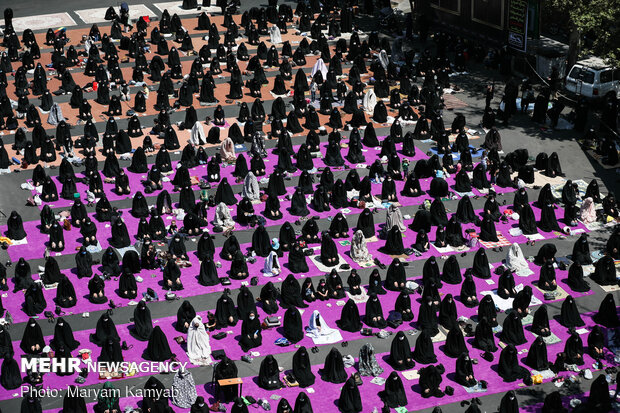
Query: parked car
pixel 593 78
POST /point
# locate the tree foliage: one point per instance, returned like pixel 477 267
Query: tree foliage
pixel 597 22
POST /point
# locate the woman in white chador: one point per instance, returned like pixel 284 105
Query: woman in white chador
pixel 587 213
pixel 274 34
pixel 227 151
pixel 370 101
pixel 223 218
pixel 515 260
pixel 197 134
pixel 272 265
pixel 384 59
pixel 198 344
pixel 359 250
pixel 320 66
pixel 318 328
pixel 251 190
pixel 393 216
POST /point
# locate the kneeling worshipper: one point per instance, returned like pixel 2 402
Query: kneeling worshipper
pixel 251 336
pixel 292 325
pixel 401 357
pixel 143 323
pixel 333 368
pixel 226 369
pixel 157 348
pixel 350 400
pixel 508 367
pixel 320 332
pixel 464 374
pixel 198 344
pixel 430 380
pixel 394 394
pixel 269 374
pixel 302 368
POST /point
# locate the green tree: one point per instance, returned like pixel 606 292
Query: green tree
pixel 593 27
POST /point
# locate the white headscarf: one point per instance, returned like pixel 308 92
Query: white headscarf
pixel 587 214
pixel 393 216
pixel 274 34
pixel 198 344
pixel 197 135
pixel 251 190
pixel 370 101
pixel 384 59
pixel 227 150
pixel 272 265
pixel 223 217
pixel 320 66
pixel 515 260
pixel 359 250
pixel 313 330
pixel 55 116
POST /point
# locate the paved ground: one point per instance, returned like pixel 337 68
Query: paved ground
pixel 521 132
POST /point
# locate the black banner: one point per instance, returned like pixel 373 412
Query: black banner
pixel 517 25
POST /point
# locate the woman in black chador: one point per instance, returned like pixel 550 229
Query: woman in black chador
pixel 226 369
pixel 522 301
pixel 581 250
pixel 396 277
pixel 105 329
pixel 464 374
pixel 546 280
pixel 374 313
pixel 63 336
pixel 302 368
pixel 394 394
pixel 10 376
pixel 575 278
pixel 157 348
pixel 537 355
pixel 185 315
pixel 127 285
pixel 540 324
pixel 350 319
pixel 483 336
pixel 251 336
pixel 142 322
pixel 15 227
pixel 65 293
pixel 430 380
pixel 57 237
pixel 34 301
pixel 508 367
pixel 32 341
pixel 292 324
pixel 513 330
pixel 269 372
pixel 487 229
pixel 225 313
pixel 465 211
pixel 607 315
pixel 427 318
pixel 424 352
pixel 393 242
pixel 120 235
pixel 350 400
pixel 596 342
pixel 527 221
pixel 480 267
pixel 455 343
pixel 401 357
pixel 604 271
pixel 506 285
pixel 208 272
pixel 569 314
pixel 329 252
pixel 297 260
pixel 447 313
pixel 333 369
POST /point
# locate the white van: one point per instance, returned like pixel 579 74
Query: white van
pixel 593 78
